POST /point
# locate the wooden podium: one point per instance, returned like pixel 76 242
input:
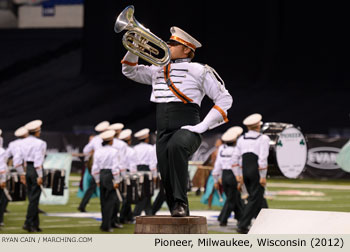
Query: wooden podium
pixel 165 224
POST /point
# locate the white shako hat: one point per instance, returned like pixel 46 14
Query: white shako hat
pixel 229 136
pixel 184 38
pixel 33 126
pixel 107 135
pixel 102 126
pixel 142 134
pixel 237 129
pixel 125 134
pixel 21 131
pixel 116 126
pixel 252 120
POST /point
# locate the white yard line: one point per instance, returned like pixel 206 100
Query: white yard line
pixel 312 186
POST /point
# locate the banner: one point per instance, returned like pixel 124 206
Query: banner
pixel 322 155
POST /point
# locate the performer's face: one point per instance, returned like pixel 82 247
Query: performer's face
pixel 178 51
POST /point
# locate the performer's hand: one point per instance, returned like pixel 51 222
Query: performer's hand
pixel 116 186
pixel 23 179
pixel 220 181
pixel 3 185
pixel 39 181
pixel 263 182
pixel 198 128
pixel 216 186
pixel 239 187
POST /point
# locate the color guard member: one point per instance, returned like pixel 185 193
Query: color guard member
pixel 253 150
pixel 178 90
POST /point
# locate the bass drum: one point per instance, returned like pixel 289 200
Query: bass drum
pixel 288 148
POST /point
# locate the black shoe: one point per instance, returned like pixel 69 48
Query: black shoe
pixel 37 229
pixel 2 224
pixel 25 227
pixel 109 230
pixel 242 230
pixel 117 225
pixel 41 211
pixel 6 211
pixel 180 210
pixel 81 210
pixel 30 229
pixel 223 224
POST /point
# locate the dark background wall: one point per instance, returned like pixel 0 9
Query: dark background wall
pixel 287 60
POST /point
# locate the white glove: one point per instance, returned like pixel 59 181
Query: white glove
pixel 130 57
pixel 213 119
pixel 198 128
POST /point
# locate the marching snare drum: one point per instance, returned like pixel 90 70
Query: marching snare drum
pixel 54 179
pixel 288 147
pixel 17 190
pixel 147 184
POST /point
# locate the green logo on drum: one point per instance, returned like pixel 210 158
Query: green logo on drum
pixel 302 142
pixel 279 143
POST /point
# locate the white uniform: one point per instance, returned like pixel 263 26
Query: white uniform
pixel 33 150
pixel 145 155
pixel 192 79
pixel 253 142
pixel 14 150
pixel 224 161
pixel 129 160
pixel 93 145
pixel 3 165
pixel 106 157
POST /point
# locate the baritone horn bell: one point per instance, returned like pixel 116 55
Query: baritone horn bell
pixel 139 40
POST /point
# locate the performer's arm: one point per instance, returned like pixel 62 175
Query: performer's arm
pixel 95 170
pixel 39 159
pixel 132 70
pixel 263 155
pixel 221 98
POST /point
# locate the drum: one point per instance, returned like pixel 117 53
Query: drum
pixel 54 179
pixel 288 148
pixel 133 190
pixel 147 184
pixel 16 189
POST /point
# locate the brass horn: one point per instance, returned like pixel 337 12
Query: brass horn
pixel 139 40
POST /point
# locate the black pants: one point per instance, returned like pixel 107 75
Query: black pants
pixel 175 146
pixel 251 179
pixel 34 192
pixel 145 203
pixel 108 199
pixel 88 194
pixel 3 203
pixel 161 197
pixel 233 197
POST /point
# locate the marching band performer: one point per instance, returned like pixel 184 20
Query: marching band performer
pixel 146 161
pixel 3 171
pixel 178 90
pixel 14 149
pixel 33 151
pixel 253 150
pixel 106 172
pixel 228 176
pixel 129 164
pixel 94 144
